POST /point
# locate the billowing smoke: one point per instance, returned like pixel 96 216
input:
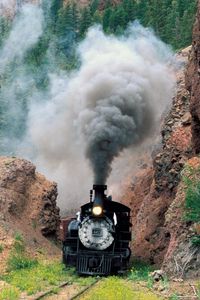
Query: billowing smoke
pixel 123 84
pixel 112 102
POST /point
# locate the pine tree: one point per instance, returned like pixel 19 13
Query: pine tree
pixel 94 6
pixel 4 29
pixel 107 19
pixel 85 21
pixel 54 13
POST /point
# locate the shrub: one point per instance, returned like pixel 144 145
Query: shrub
pixel 196 240
pixel 20 261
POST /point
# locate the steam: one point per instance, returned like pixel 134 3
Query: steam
pixel 112 102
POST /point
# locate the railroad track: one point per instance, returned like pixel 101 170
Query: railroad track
pixel 44 295
pixel 85 289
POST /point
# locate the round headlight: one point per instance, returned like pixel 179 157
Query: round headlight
pixel 97 210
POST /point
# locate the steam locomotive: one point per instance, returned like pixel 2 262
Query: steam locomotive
pixel 97 241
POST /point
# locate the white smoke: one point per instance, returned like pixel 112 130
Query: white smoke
pixel 26 31
pixel 18 83
pixel 112 102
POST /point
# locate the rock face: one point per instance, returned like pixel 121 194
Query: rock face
pixel 193 83
pixel 27 199
pixel 161 234
pixel 152 198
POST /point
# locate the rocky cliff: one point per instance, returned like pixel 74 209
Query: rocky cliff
pixel 27 206
pixel 161 234
pixel 193 83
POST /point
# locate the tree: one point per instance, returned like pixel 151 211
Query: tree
pixel 85 21
pixel 107 19
pixel 94 6
pixel 54 13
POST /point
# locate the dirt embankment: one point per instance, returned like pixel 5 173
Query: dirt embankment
pixel 27 206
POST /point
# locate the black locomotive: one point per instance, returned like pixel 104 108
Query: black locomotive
pixel 97 241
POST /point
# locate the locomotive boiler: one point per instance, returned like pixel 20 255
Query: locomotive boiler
pixel 96 242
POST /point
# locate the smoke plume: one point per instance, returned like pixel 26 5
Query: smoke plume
pixel 112 102
pixel 123 85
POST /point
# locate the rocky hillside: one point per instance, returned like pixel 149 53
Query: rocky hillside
pixel 193 84
pixel 162 235
pixel 27 206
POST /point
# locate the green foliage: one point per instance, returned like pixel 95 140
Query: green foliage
pixel 36 278
pixel 9 293
pixel 174 297
pixel 192 194
pixel 140 272
pixel 4 29
pixel 196 240
pixel 18 258
pixel 191 179
pixel 85 21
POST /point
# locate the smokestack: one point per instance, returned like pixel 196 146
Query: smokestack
pixel 99 195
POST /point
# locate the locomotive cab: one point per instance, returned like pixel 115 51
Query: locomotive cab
pixel 97 241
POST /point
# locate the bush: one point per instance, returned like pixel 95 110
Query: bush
pixel 196 240
pixel 20 261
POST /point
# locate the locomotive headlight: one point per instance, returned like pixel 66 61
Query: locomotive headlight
pixel 97 210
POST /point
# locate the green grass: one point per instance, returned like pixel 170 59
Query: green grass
pixel 36 278
pixel 43 275
pixel 114 288
pixel 30 275
pixel 9 293
pixel 140 271
pixel 18 258
pixel 174 297
pixel 191 178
